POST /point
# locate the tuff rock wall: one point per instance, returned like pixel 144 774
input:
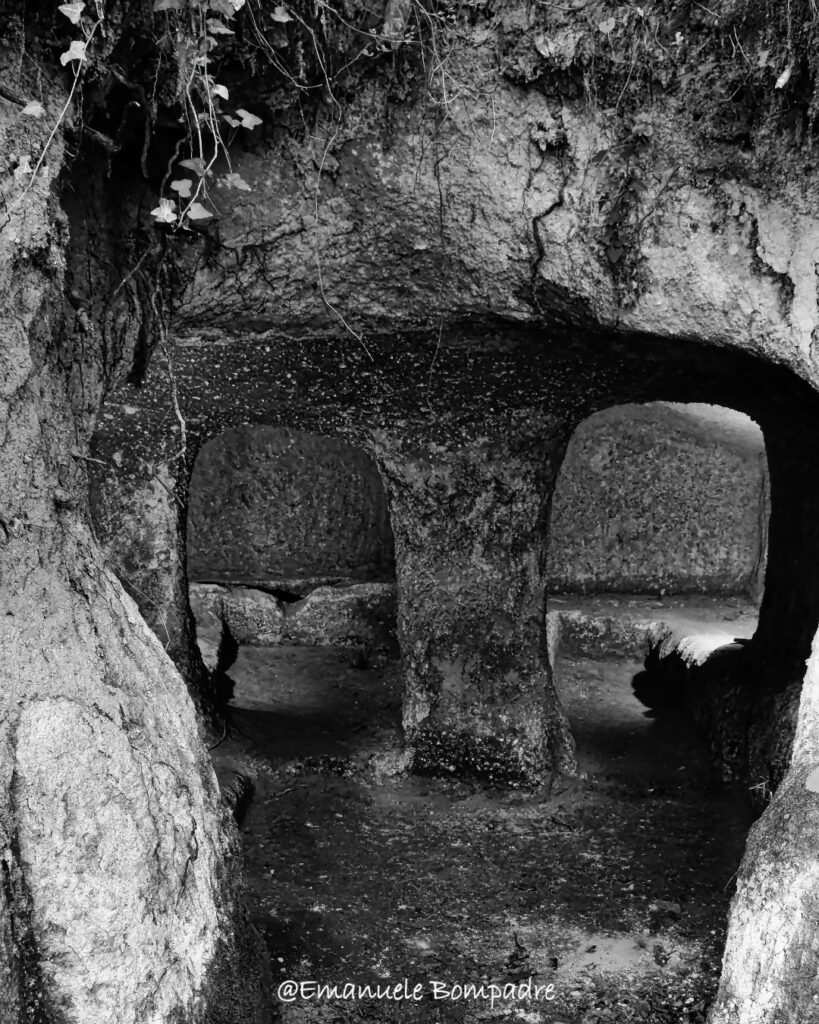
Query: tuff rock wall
pixel 269 504
pixel 661 499
pixel 651 498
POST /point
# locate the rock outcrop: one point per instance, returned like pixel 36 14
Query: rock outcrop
pixel 120 898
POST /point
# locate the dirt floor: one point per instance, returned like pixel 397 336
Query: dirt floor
pixel 612 888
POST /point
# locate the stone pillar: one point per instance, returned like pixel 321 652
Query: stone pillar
pixel 121 896
pixel 139 510
pixel 470 530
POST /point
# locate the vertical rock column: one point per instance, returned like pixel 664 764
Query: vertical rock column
pixel 470 534
pixel 120 895
pixel 139 507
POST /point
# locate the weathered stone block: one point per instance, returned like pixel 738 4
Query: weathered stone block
pixel 359 615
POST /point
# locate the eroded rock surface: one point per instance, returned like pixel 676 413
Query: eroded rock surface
pixel 358 615
pixel 661 499
pixel 470 537
pixel 273 503
pixel 119 897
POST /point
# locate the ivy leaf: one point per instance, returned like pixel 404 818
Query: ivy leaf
pixel 218 28
pixel 165 213
pixel 194 163
pixel 237 5
pixel 784 78
pixel 607 26
pixel 33 109
pixel 72 11
pixel 167 5
pixel 196 211
pixel 249 120
pixel 76 51
pixel 234 122
pixel 280 14
pixel 220 90
pixel 23 168
pixel 221 7
pixel 236 181
pixel 182 187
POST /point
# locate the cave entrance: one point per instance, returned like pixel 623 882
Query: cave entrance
pixel 658 542
pixel 657 539
pixel 291 571
pixel 447 876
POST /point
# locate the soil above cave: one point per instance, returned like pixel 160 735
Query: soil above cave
pixel 612 887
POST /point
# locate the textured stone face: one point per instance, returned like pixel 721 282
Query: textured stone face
pixel 139 520
pixel 119 863
pixel 268 503
pixel 119 903
pixel 657 498
pixel 470 536
pixel 504 226
pixel 649 498
pixel 119 838
pixel 360 615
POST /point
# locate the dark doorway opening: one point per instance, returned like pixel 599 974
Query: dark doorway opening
pixel 292 583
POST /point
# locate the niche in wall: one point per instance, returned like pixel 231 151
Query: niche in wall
pixel 661 498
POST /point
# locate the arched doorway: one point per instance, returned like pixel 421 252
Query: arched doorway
pixel 291 575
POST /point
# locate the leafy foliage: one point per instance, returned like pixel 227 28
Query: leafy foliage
pixel 191 35
pixel 185 63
